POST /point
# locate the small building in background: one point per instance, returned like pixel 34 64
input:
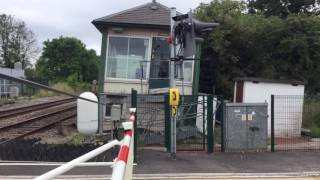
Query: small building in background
pixel 257 90
pixel 9 88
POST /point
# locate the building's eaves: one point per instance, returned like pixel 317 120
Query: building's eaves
pixel 279 81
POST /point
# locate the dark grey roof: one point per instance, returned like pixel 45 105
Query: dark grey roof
pixel 151 14
pixel 281 81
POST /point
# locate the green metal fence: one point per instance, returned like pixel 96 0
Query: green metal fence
pixel 195 122
pixel 191 123
pixel 295 123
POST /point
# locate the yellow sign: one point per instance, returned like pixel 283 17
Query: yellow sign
pixel 174 96
pixel 174 110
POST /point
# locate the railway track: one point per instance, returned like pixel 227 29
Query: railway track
pixel 37 123
pixel 7 113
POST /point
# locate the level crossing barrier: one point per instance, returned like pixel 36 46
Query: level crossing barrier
pixel 122 166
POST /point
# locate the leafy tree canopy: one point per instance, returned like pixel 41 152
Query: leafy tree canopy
pixel 67 57
pixel 253 45
pixel 283 8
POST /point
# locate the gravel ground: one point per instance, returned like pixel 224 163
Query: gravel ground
pixel 20 118
pixel 55 135
pixel 31 126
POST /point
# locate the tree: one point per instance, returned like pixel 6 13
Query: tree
pixel 17 42
pixel 253 45
pixel 283 8
pixel 65 57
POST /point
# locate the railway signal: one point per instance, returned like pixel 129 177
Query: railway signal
pixel 187 32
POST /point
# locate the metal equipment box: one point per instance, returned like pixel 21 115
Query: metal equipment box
pixel 245 126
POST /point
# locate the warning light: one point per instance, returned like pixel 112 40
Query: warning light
pixel 169 39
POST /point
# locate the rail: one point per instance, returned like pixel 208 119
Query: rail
pixel 31 125
pixel 122 167
pixel 5 113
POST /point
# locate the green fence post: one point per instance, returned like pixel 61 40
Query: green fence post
pixel 272 123
pixel 167 124
pixel 134 105
pixel 210 124
pixel 222 124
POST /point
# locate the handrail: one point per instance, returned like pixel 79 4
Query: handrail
pixel 122 165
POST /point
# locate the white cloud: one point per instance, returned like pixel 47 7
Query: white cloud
pixel 53 18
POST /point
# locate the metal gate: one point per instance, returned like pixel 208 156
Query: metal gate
pixel 150 120
pixel 191 123
pixel 153 122
pixel 246 127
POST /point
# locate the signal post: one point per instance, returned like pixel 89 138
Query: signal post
pixel 185 32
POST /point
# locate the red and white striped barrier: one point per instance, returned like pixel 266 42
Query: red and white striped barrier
pixel 123 165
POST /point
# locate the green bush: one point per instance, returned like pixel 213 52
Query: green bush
pixel 63 87
pixel 316 120
pixel 315 132
pixel 70 86
pixel 77 86
pixel 311 112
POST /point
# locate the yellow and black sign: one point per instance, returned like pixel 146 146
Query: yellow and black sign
pixel 174 110
pixel 174 100
pixel 174 96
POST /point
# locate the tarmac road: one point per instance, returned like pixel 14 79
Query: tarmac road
pixel 154 164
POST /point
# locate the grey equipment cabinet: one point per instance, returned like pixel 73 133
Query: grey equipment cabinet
pixel 246 127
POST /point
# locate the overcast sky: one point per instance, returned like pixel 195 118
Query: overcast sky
pixel 53 18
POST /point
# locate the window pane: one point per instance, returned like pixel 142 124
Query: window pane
pixel 138 48
pixel 124 56
pixel 159 66
pixel 160 49
pixel 134 69
pixel 118 46
pixel 117 67
pixel 117 57
pixel 187 71
pixel 138 51
pixel 159 69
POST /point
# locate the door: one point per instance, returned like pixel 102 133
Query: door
pixel 257 127
pixel 236 128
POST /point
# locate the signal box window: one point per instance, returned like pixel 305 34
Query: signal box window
pixel 124 56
